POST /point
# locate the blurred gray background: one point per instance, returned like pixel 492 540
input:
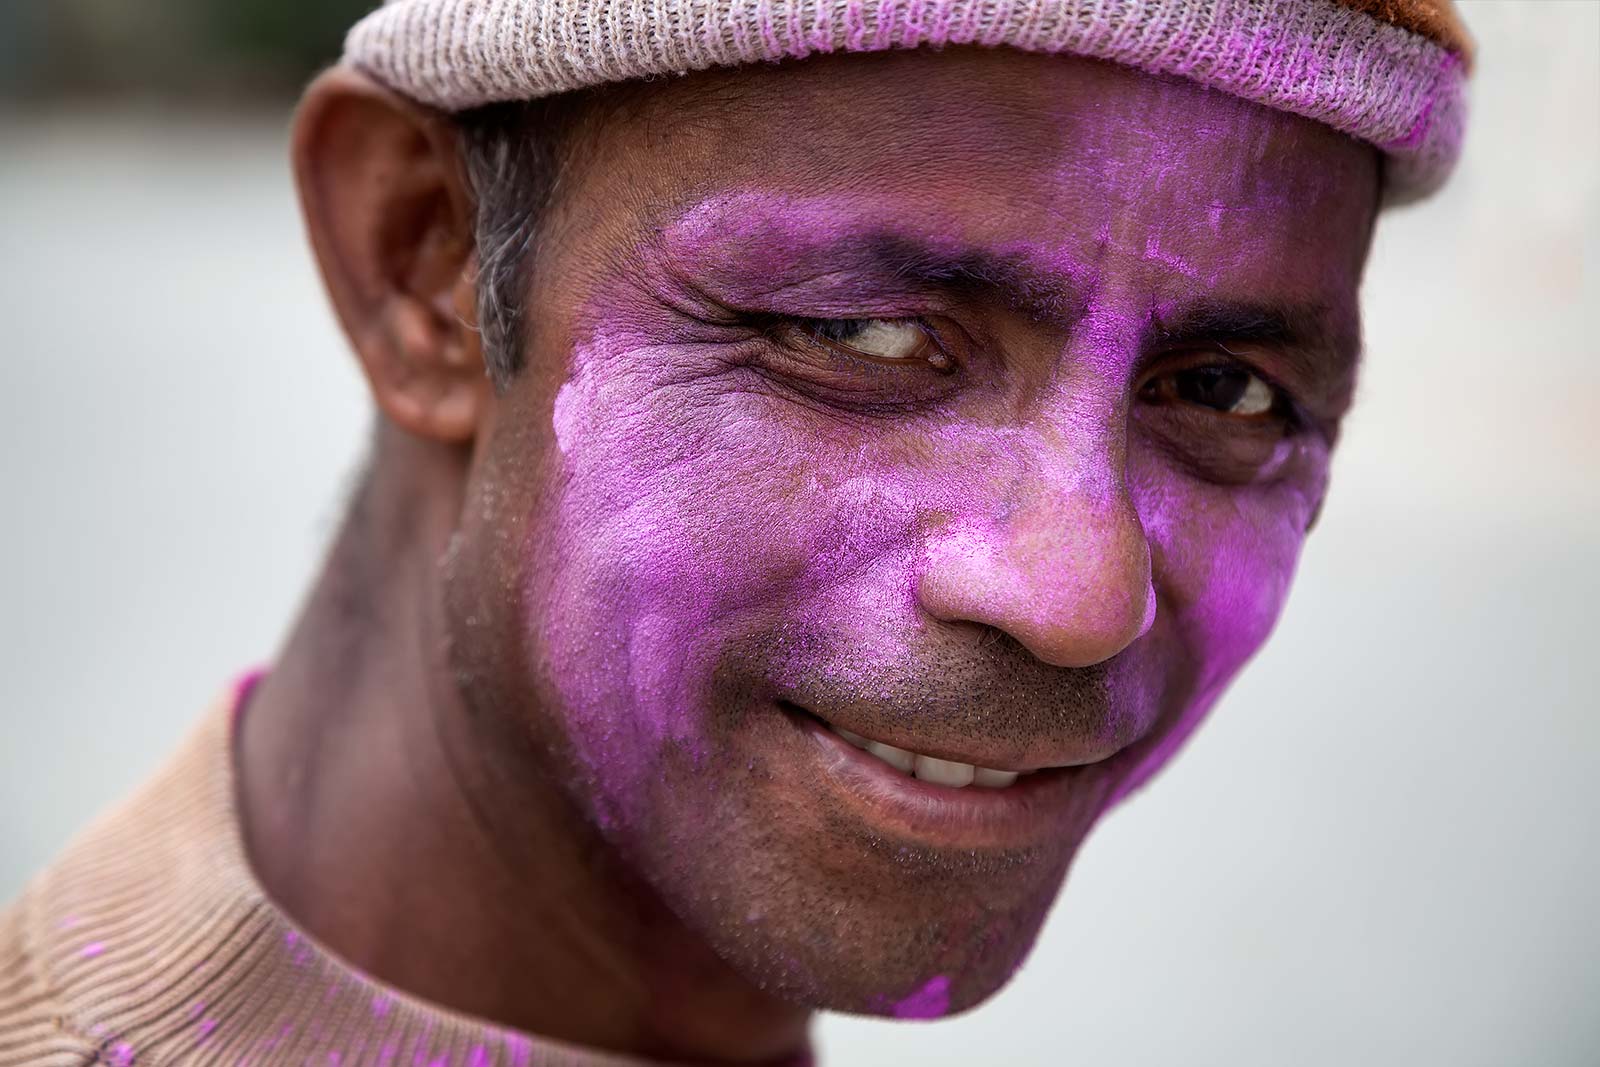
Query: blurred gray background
pixel 1383 849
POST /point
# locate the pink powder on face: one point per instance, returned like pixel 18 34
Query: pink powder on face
pixel 862 537
pixel 1154 251
pixel 687 514
pixel 564 418
pixel 932 1001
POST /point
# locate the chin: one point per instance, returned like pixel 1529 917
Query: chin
pixel 915 974
pixel 898 933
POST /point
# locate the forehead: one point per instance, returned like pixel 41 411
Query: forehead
pixel 1065 165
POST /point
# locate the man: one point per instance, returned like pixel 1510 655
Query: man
pixel 806 495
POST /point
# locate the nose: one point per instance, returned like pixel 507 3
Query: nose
pixel 1064 569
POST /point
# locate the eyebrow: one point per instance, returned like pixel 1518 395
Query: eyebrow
pixel 1308 335
pixel 1319 345
pixel 1014 279
pixel 1311 338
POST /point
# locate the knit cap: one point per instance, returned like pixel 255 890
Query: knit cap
pixel 1389 72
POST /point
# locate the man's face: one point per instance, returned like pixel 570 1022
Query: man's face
pixel 971 402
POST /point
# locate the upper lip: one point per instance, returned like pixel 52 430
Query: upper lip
pixel 1024 759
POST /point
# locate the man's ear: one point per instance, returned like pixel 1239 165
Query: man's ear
pixel 390 218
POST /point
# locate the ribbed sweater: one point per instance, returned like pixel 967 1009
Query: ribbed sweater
pixel 150 943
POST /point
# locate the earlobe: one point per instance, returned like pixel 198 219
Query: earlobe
pixel 390 219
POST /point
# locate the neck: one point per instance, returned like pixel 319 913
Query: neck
pixel 375 821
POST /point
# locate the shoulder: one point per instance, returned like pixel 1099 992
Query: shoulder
pixel 95 932
pixel 33 1029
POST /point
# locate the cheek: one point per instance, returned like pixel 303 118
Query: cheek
pixel 686 526
pixel 689 498
pixel 1224 557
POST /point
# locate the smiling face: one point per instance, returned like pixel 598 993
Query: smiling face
pixel 969 403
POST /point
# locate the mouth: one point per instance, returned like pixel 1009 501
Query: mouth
pixel 936 800
pixel 951 774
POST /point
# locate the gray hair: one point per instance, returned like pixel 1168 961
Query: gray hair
pixel 513 156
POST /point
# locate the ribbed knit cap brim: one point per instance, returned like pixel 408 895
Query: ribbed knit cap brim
pixel 1389 72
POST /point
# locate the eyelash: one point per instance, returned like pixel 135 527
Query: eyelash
pixel 1284 404
pixel 1285 407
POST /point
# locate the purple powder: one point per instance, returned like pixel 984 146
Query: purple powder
pixel 932 1001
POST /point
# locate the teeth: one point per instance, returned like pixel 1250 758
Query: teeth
pixel 992 779
pixel 851 736
pixel 929 768
pixel 898 758
pixel 943 772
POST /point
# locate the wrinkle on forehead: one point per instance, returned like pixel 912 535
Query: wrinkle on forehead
pixel 1079 127
pixel 760 233
pixel 746 245
pixel 1070 167
pixel 1174 225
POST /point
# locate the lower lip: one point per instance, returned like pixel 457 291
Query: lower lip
pixel 1036 809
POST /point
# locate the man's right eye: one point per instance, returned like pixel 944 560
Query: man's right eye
pixel 1226 388
pixel 1230 390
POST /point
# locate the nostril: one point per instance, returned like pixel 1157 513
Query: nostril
pixel 1063 618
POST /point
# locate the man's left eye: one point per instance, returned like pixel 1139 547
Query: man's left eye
pixel 1229 389
pixel 889 340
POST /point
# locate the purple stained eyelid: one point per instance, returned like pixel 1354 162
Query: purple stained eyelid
pixel 1035 280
